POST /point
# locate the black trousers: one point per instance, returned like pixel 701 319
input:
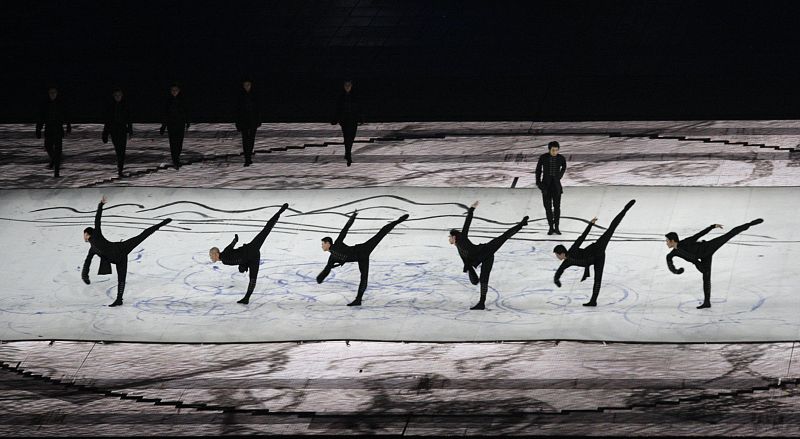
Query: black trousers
pixel 485 257
pixel 598 251
pixel 123 249
pixel 176 133
pixel 551 198
pixel 349 133
pixel 53 144
pixel 248 143
pixel 364 250
pixel 706 253
pixel 120 142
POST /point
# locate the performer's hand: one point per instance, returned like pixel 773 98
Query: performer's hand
pixel 86 279
pixel 242 268
pixel 103 200
pixel 594 220
pixel 104 136
pixel 678 271
pixel 557 282
pixel 475 204
pixel 38 134
pixel 717 226
pixel 162 129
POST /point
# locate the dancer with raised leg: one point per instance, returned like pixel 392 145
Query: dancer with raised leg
pixel 112 252
pixel 593 254
pixel 481 254
pixel 342 253
pixel 248 256
pixel 700 253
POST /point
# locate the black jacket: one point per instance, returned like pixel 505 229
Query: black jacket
pixel 689 249
pixel 117 118
pixel 53 118
pixel 543 179
pixel 248 111
pixel 348 110
pixel 176 112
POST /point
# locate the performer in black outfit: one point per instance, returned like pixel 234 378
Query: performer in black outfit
pixel 342 253
pixel 176 122
pixel 482 254
pixel 700 253
pixel 549 170
pixel 118 125
pixel 248 119
pixel 53 118
pixel 593 254
pixel 349 116
pixel 112 252
pixel 248 256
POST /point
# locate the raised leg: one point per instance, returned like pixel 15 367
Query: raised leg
pixel 129 244
pixel 603 240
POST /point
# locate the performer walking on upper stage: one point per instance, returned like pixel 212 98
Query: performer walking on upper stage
pixel 248 256
pixel 118 126
pixel 112 252
pixel 342 253
pixel 349 116
pixel 248 119
pixel 593 254
pixel 482 254
pixel 549 171
pixel 175 121
pixel 700 253
pixel 53 118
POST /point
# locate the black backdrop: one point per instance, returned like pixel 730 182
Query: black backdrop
pixel 411 59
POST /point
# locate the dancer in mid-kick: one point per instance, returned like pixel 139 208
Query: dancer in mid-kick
pixel 481 254
pixel 593 254
pixel 112 252
pixel 700 253
pixel 342 253
pixel 248 256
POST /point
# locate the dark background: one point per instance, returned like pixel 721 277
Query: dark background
pixel 410 59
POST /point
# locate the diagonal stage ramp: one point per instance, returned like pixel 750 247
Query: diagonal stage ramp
pixel 417 291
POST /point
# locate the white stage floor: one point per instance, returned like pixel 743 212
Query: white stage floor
pixel 417 291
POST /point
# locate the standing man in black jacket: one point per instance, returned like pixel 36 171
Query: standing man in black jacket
pixel 248 256
pixel 118 126
pixel 342 253
pixel 700 253
pixel 112 252
pixel 53 118
pixel 482 254
pixel 248 119
pixel 349 116
pixel 176 122
pixel 549 171
pixel 593 254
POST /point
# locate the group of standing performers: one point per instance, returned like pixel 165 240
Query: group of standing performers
pixel 53 121
pixel 248 257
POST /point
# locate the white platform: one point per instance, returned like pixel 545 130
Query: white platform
pixel 417 291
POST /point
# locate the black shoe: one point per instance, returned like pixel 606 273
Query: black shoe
pixel 590 303
pixel 524 221
pixel 630 204
pixel 117 302
pixel 244 300
pixel 403 218
pixel 165 222
pixel 479 305
pixel 356 302
pixel 704 305
pixel 247 163
pixel 119 173
pixel 556 231
pixel 756 222
pixel 551 231
pixel 349 162
pixel 56 175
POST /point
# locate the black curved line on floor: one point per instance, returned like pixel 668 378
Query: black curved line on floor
pixel 212 208
pixel 396 197
pixel 87 211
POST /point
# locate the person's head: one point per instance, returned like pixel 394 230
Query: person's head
pixel 453 237
pixel 561 252
pixel 87 233
pixel 348 85
pixel 52 93
pixel 672 239
pixel 174 90
pixel 247 85
pixel 553 147
pixel 117 94
pixel 214 254
pixel 327 242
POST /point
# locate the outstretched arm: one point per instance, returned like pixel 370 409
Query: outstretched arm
pixel 671 266
pixel 233 243
pixel 701 233
pixel 325 271
pixel 86 264
pixel 559 272
pixel 99 214
pixel 468 219
pixel 347 226
pixel 583 236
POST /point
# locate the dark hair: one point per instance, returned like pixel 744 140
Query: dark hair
pixel 175 84
pixel 455 233
pixel 117 89
pixel 328 240
pixel 89 231
pixel 560 249
pixel 672 236
pixel 553 144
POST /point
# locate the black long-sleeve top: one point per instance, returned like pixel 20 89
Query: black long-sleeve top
pixel 550 170
pixel 248 111
pixel 176 111
pixel 689 249
pixel 341 252
pixel 231 256
pixel 577 256
pixel 348 109
pixel 118 118
pixel 109 252
pixel 466 249
pixel 53 117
